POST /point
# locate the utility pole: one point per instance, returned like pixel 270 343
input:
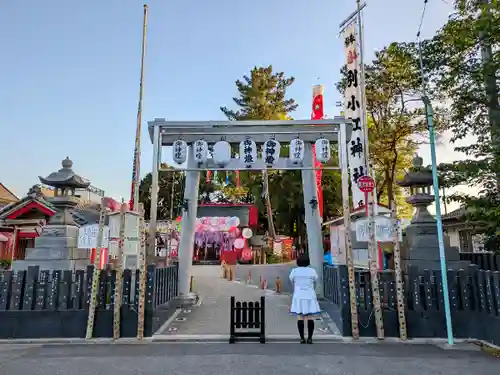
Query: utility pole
pixel 136 168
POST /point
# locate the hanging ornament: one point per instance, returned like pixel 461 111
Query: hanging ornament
pixel 222 153
pixel 322 147
pixel 179 151
pixel 271 152
pixel 248 152
pixel 296 151
pixel 200 151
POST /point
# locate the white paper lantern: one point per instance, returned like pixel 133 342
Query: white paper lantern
pixel 179 151
pixel 239 243
pixel 322 146
pixel 296 151
pixel 248 152
pixel 271 151
pixel 247 233
pixel 222 153
pixel 200 151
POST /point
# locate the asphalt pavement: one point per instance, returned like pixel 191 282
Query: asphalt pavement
pixel 242 359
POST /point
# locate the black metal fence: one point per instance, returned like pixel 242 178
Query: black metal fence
pixel 40 304
pixel 474 299
pixel 486 261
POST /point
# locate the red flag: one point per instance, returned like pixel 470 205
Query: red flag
pixel 318 114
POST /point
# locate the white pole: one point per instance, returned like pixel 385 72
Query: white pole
pixel 372 246
pixel 347 231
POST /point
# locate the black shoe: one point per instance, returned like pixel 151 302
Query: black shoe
pixel 302 341
pixel 309 341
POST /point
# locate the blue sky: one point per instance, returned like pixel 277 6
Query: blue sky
pixel 69 71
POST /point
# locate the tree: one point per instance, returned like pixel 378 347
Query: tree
pixel 396 128
pixel 462 62
pixel 262 96
pixel 167 202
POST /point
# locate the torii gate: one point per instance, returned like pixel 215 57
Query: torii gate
pixel 165 133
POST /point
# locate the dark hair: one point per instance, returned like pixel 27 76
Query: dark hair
pixel 303 261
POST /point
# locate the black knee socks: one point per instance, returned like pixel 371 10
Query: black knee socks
pixel 300 326
pixel 310 329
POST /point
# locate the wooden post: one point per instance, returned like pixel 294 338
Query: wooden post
pixel 374 270
pixel 278 285
pixel 97 273
pixel 119 275
pixel 191 284
pixel 398 275
pixel 13 246
pixel 142 274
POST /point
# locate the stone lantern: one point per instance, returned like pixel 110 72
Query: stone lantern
pixel 56 248
pixel 422 248
pixel 64 182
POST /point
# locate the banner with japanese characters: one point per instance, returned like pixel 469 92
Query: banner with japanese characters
pixel 318 114
pixel 353 111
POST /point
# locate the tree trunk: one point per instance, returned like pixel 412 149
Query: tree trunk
pixel 267 202
pixel 389 185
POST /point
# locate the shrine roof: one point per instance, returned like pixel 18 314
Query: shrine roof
pixel 6 194
pixel 11 211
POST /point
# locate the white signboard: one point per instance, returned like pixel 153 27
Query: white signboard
pixel 353 111
pixel 384 230
pixel 87 237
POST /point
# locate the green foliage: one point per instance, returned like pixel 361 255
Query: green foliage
pixel 262 96
pixel 165 179
pixel 458 66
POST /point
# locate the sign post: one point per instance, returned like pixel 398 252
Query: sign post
pixel 367 184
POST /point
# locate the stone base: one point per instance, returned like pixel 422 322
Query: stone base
pixel 55 249
pixel 50 265
pixel 186 300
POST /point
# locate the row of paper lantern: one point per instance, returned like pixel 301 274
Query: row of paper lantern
pixel 248 151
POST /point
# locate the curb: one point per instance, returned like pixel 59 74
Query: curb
pixel 219 338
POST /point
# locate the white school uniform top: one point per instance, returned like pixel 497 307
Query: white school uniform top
pixel 304 301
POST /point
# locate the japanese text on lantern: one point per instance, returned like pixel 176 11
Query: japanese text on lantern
pixel 353 111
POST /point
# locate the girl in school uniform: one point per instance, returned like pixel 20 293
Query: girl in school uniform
pixel 304 301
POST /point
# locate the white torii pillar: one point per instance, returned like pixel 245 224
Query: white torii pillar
pixel 188 223
pixel 312 218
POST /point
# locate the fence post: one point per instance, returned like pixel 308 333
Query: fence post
pixel 232 338
pixel 262 320
pixel 345 301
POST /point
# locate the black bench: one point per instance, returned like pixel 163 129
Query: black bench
pixel 248 320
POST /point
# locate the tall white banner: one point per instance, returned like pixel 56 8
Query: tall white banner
pixel 353 110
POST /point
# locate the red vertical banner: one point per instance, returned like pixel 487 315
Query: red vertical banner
pixel 318 114
pixel 237 179
pixel 209 176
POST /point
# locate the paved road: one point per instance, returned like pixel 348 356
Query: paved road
pixel 244 359
pixel 212 316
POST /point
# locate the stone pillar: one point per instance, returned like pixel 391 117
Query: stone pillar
pixel 188 223
pixel 312 218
